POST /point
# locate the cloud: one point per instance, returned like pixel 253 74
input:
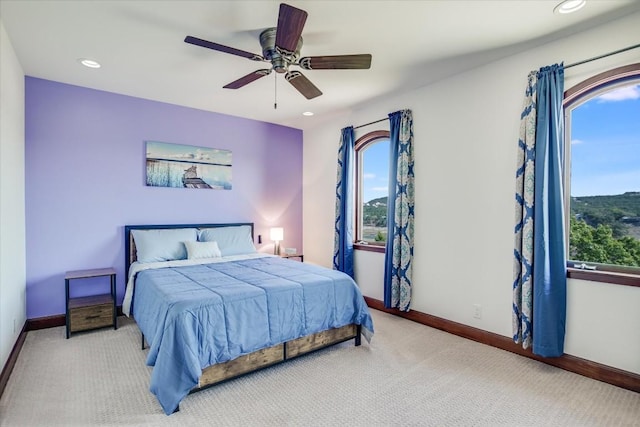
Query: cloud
pixel 368 175
pixel 621 94
pixel 181 156
pixel 576 141
pixel 221 157
pixel 380 189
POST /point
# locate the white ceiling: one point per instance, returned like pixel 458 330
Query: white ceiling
pixel 140 46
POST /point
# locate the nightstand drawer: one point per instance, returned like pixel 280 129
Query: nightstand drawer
pixel 91 311
pixel 90 317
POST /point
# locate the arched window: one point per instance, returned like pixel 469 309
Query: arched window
pixel 602 171
pixel 372 190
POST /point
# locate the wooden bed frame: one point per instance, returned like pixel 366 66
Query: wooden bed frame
pixel 260 359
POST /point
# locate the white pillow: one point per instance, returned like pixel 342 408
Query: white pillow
pixel 233 240
pixel 202 250
pixel 162 244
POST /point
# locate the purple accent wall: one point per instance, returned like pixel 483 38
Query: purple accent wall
pixel 85 180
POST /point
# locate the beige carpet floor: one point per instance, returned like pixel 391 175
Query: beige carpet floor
pixel 409 375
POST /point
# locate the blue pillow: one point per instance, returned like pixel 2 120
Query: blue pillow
pixel 162 245
pixel 234 240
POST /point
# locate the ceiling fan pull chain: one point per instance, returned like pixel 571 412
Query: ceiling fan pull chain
pixel 275 91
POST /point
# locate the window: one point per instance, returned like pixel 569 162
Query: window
pixel 372 190
pixel 602 118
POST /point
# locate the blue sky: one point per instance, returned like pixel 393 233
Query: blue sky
pixel 375 174
pixel 605 143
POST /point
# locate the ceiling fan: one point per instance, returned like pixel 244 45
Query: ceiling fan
pixel 281 47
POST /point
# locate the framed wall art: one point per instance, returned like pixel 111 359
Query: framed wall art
pixel 187 166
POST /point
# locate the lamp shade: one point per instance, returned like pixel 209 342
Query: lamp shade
pixel 277 234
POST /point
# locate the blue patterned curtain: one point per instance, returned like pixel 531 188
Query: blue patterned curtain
pixel 523 251
pixel 343 239
pixel 400 213
pixel 539 287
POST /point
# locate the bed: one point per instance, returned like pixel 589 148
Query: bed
pixel 212 308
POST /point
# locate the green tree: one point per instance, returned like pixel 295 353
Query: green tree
pixel 598 244
pixel 380 237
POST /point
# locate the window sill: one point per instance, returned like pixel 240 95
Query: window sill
pixel 625 279
pixel 369 248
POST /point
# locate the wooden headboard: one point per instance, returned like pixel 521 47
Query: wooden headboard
pixel 130 245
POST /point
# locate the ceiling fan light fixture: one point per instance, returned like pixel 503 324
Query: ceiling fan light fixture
pixel 280 65
pixel 569 6
pixel 89 62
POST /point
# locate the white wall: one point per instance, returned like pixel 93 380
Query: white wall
pixel 12 217
pixel 466 131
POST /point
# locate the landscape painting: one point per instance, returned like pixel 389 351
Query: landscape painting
pixel 186 166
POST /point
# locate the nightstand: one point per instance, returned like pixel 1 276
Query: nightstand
pixel 94 311
pixel 293 256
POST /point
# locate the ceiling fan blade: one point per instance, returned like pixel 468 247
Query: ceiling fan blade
pixel 304 86
pixel 336 62
pixel 251 77
pixel 221 48
pixel 290 24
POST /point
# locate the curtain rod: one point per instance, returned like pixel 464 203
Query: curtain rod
pixel 566 66
pixel 371 123
pixel 602 56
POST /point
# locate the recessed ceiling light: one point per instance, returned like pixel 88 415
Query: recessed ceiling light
pixel 569 6
pixel 307 113
pixel 89 63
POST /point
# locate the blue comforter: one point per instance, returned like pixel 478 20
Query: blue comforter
pixel 199 315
